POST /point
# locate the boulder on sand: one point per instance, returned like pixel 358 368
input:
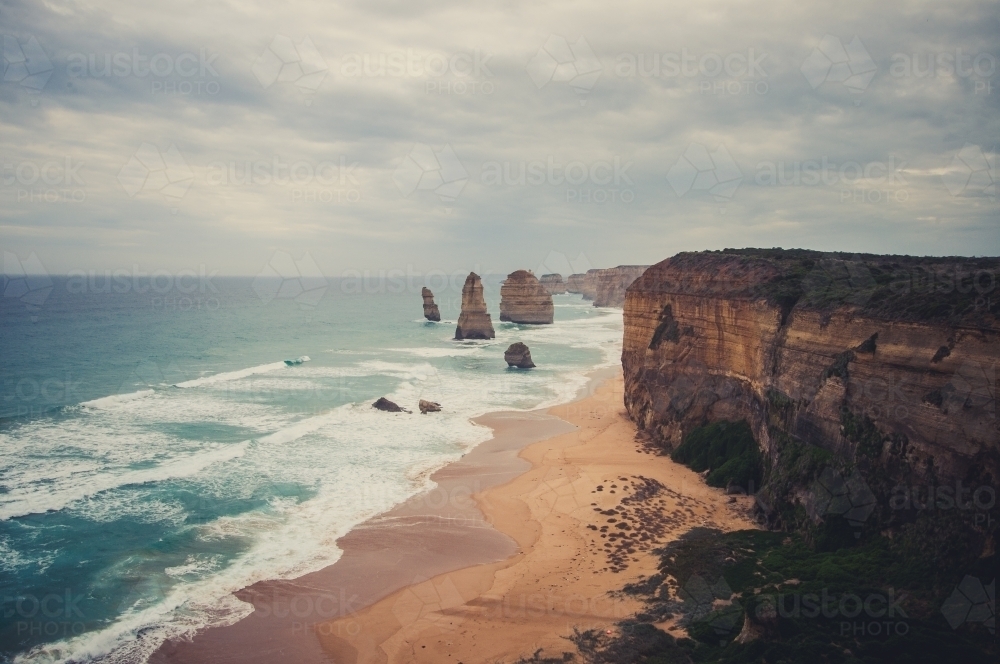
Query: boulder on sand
pixel 474 321
pixel 388 406
pixel 428 406
pixel 431 311
pixel 518 356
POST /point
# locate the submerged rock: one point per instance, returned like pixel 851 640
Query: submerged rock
pixel 388 406
pixel 523 299
pixel 518 356
pixel 431 311
pixel 474 321
pixel 428 407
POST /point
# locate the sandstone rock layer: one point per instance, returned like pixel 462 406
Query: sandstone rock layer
pixel 845 354
pixel 474 321
pixel 553 283
pixel 431 311
pixel 523 299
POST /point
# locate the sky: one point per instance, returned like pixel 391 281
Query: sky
pixel 421 137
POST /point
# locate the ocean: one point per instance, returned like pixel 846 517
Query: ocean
pixel 157 452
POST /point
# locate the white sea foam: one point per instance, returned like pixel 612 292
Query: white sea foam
pixel 116 399
pixel 231 375
pixel 352 461
pixel 57 495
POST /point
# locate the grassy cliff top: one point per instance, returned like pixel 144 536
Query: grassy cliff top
pixel 955 290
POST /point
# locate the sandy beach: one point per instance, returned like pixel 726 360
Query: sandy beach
pixel 585 518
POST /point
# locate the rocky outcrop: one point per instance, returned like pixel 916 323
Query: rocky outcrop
pixel 474 321
pixel 610 284
pixel 519 356
pixel 431 311
pixel 428 407
pixel 553 283
pixel 605 287
pixel 584 284
pixel 882 362
pixel 388 406
pixel 523 299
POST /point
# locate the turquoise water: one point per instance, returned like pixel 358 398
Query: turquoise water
pixel 157 453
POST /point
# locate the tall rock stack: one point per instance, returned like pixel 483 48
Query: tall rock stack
pixel 553 283
pixel 523 299
pixel 474 321
pixel 431 311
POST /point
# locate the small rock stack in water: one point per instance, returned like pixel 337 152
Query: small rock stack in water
pixel 519 356
pixel 524 300
pixel 431 311
pixel 475 321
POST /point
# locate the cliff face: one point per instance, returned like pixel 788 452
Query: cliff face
pixel 583 284
pixel 575 283
pixel 610 284
pixel 523 299
pixel 474 321
pixel 553 283
pixel 847 355
pixel 431 311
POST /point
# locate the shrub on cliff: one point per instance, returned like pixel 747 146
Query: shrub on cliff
pixel 727 449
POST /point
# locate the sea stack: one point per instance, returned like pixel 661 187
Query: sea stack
pixel 523 299
pixel 553 283
pixel 474 321
pixel 518 356
pixel 431 311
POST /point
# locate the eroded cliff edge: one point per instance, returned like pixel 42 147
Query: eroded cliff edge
pixel 883 362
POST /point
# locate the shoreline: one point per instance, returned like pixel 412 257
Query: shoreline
pixel 571 560
pixel 435 532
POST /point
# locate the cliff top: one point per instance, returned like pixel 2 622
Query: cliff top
pixel 951 289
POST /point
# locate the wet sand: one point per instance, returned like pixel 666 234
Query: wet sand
pixel 585 518
pixel 433 533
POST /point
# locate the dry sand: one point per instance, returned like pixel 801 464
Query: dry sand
pixel 567 563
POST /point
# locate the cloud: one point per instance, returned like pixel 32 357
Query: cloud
pixel 319 104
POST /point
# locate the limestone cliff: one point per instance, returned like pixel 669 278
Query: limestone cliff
pixel 587 284
pixel 881 361
pixel 431 311
pixel 610 284
pixel 474 321
pixel 523 299
pixel 553 283
pixel 575 283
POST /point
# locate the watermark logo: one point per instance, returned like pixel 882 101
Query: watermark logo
pixel 972 171
pixel 27 281
pixel 422 603
pixel 426 169
pixel 25 63
pixel 972 602
pixel 45 182
pixel 972 386
pixel 286 278
pixel 559 62
pixel 151 170
pixel 832 62
pixel 714 601
pixel 699 170
pixel 284 61
pixel 849 497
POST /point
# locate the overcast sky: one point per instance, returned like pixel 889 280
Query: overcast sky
pixel 393 134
